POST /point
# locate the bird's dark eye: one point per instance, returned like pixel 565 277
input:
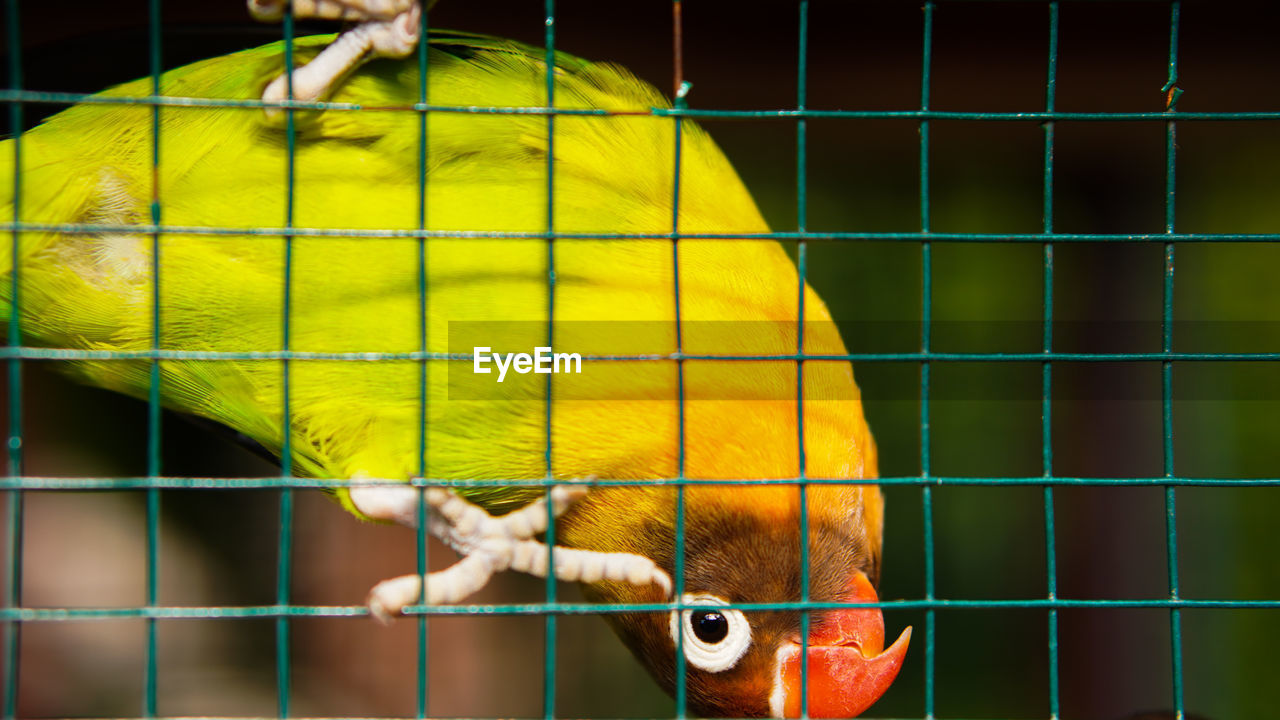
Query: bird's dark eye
pixel 710 626
pixel 713 637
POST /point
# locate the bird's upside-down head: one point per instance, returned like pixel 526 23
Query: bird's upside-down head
pixel 750 663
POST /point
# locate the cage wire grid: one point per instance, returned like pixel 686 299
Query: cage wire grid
pixel 15 614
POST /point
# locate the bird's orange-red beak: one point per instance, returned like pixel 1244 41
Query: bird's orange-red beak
pixel 849 669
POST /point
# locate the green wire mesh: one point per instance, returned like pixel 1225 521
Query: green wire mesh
pixel 15 615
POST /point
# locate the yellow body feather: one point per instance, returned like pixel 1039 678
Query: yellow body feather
pixel 227 168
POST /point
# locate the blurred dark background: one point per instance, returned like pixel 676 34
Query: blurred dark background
pixel 219 547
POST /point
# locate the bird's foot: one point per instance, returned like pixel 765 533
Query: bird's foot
pixel 387 28
pixel 356 10
pixel 489 545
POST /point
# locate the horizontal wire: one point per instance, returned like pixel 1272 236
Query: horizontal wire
pixel 808 236
pixel 71 354
pixel 215 612
pixel 67 98
pixel 277 482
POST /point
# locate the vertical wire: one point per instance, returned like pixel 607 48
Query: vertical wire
pixel 1166 369
pixel 926 314
pixel 1046 379
pixel 13 446
pixel 802 222
pixel 420 533
pixel 549 648
pixel 681 103
pixel 153 395
pixel 285 544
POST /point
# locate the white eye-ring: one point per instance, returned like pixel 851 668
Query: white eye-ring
pixel 715 638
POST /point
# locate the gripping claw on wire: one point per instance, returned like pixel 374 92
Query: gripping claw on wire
pixel 387 28
pixel 358 10
pixel 489 545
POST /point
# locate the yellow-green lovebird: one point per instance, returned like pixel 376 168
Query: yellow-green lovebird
pixel 512 306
